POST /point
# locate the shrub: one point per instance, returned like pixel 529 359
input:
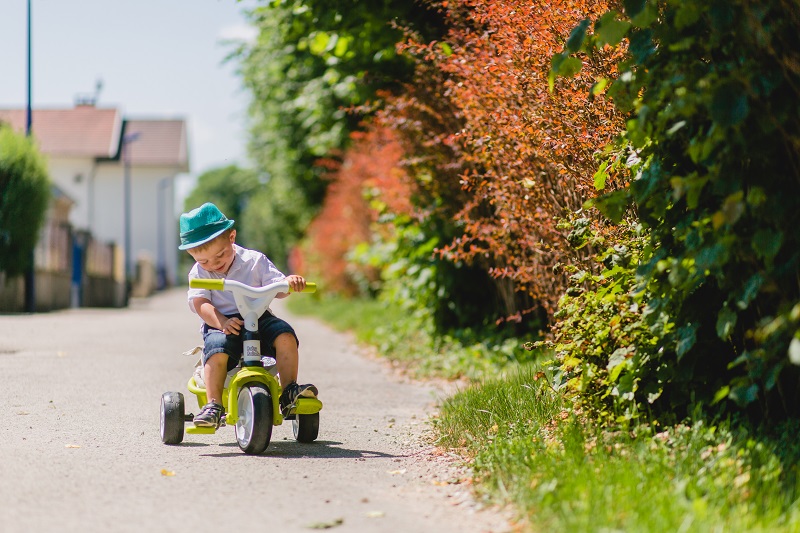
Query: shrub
pixel 498 160
pixel 711 155
pixel 24 197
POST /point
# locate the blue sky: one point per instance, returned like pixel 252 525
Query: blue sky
pixel 156 58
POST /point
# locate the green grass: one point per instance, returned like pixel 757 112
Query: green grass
pixel 561 474
pixel 528 448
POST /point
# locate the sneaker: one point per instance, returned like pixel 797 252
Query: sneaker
pixel 211 415
pixel 292 392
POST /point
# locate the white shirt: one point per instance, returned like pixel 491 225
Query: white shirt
pixel 250 267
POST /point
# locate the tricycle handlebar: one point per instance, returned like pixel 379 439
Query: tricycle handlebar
pixel 223 284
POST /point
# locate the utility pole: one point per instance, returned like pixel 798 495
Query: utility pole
pixel 30 273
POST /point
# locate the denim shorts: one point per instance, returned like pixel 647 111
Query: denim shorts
pixel 269 328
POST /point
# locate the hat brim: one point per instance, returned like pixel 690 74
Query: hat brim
pixel 190 245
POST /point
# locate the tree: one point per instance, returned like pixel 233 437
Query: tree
pixel 311 73
pixel 24 197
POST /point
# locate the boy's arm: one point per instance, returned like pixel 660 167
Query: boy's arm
pixel 211 316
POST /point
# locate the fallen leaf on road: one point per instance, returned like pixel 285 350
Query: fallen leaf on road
pixel 393 472
pixel 165 472
pixel 72 446
pixel 375 514
pixel 327 525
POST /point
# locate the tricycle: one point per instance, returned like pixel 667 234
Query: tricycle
pixel 251 396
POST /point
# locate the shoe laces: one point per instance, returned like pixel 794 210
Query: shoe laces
pixel 213 407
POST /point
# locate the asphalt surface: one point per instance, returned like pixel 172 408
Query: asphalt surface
pixel 80 448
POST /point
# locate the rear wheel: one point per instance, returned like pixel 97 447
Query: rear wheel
pixel 172 417
pixel 254 422
pixel 306 427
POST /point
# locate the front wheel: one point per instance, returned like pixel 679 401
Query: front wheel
pixel 306 427
pixel 254 423
pixel 172 417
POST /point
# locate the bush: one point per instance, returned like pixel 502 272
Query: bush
pixel 24 197
pixel 497 159
pixel 710 155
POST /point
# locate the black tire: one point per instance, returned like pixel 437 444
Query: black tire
pixel 254 422
pixel 172 417
pixel 306 427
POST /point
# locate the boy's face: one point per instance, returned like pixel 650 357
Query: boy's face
pixel 218 256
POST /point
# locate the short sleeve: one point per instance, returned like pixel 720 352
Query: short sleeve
pixel 195 273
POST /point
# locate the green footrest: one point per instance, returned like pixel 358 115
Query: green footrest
pixel 307 406
pixel 201 430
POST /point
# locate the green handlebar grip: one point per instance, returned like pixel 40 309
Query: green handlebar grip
pixel 310 287
pixel 210 284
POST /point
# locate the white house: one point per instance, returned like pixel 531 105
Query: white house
pixel 119 172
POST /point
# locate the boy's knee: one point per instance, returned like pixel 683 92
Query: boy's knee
pixel 217 359
pixel 286 339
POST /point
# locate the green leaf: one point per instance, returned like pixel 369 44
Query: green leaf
pixel 726 321
pixel 577 35
pixel 599 86
pixel 569 67
pixel 623 92
pixel 688 13
pixel 641 45
pixel 721 395
pixel 675 127
pixel 616 363
pixel 609 30
pixel 767 243
pixel 613 205
pixel 733 207
pixel 687 336
pixel 694 186
pixel 756 196
pixel 634 7
pixel 729 105
pixel 744 395
pixel 600 177
pixel 318 42
pixel 749 291
pixel 645 17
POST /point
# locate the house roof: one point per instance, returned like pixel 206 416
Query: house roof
pixel 158 142
pixel 81 131
pixel 89 131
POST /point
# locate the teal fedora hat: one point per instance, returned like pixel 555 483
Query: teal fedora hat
pixel 200 225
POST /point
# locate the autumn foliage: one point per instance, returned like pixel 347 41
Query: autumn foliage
pixel 369 169
pixel 494 155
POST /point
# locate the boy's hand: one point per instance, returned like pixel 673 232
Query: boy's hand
pixel 297 283
pixel 232 326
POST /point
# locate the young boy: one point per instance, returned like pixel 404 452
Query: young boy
pixel 209 238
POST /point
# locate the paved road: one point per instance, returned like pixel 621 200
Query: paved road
pixel 80 448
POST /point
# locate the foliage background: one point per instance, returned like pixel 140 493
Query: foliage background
pixel 620 177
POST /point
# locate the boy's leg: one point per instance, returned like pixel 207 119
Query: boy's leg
pixel 288 358
pixel 215 371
